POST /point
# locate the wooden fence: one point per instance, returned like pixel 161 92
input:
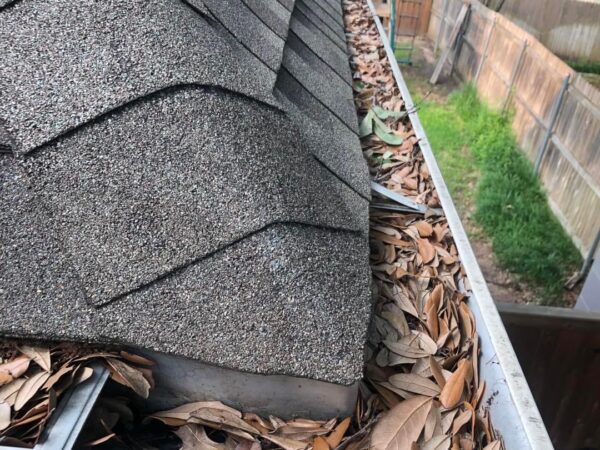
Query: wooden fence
pixel 556 111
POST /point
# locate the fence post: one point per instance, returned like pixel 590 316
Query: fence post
pixel 513 75
pixel 549 130
pixel 459 41
pixel 485 49
pixel 442 26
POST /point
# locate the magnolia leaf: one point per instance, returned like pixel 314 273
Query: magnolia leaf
pixel 462 419
pixel 436 371
pixel 194 437
pixel 137 359
pixel 55 377
pixel 30 388
pixel 366 126
pixel 415 383
pixel 219 418
pixel 337 434
pixel 424 228
pixel 387 137
pixel 40 355
pixel 4 415
pixel 402 425
pixel 426 250
pixel 8 392
pixel 320 444
pixel 129 376
pixel 285 443
pixel 394 315
pixel 385 114
pixel 453 390
pixel 5 378
pixel 16 367
pixel 440 442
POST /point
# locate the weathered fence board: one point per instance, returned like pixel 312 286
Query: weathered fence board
pixel 509 67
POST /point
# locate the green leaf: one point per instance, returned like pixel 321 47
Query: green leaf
pixel 381 125
pixel 366 126
pixel 384 133
pixel 384 113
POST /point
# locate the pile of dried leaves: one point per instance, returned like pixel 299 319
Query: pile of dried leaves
pixel 33 378
pixel 424 367
pixel 233 430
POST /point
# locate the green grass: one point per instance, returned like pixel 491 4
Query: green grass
pixel 585 66
pixel 483 167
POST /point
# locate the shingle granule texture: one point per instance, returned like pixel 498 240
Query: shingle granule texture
pixel 273 14
pixel 184 176
pixel 328 26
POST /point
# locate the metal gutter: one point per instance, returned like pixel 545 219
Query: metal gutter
pixel 514 413
pixel 73 409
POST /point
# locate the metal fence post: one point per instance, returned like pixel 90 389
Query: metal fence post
pixel 442 26
pixel 485 49
pixel 513 75
pixel 549 130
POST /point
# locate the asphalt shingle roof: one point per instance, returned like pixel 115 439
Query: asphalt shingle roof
pixel 186 177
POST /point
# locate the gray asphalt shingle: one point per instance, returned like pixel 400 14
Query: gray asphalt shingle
pixel 136 217
pixel 166 183
pixel 315 13
pixel 90 57
pixel 273 14
pixel 315 40
pixel 326 136
pixel 320 81
pixel 247 297
pixel 249 29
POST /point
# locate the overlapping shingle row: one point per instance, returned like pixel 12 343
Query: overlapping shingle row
pixel 184 176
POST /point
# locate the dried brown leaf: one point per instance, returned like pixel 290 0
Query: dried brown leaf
pixel 5 378
pixel 320 444
pixel 4 415
pixel 415 383
pixel 193 437
pixel 30 388
pixel 424 228
pixel 394 315
pixel 436 371
pixel 463 418
pixel 16 367
pixel 41 355
pixel 129 376
pixel 426 250
pixel 440 442
pixel 337 434
pixel 55 377
pixel 8 392
pixel 402 425
pixel 136 359
pixel 454 388
pixel 219 418
pixel 286 444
